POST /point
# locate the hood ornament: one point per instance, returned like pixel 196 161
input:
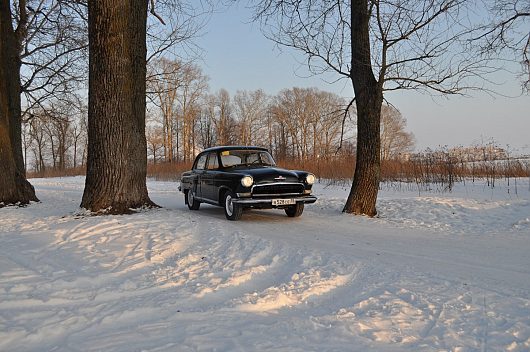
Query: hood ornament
pixel 280 178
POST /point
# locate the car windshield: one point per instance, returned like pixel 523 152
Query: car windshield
pixel 233 158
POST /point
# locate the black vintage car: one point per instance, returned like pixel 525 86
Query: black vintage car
pixel 241 177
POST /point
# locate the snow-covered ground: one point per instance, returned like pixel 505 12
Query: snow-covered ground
pixel 435 272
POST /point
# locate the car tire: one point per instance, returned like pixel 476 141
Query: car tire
pixel 295 211
pixel 233 211
pixel 193 203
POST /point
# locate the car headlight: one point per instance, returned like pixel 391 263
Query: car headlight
pixel 310 179
pixel 247 181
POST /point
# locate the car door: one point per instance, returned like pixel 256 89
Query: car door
pixel 208 188
pixel 198 172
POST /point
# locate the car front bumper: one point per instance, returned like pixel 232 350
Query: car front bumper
pixel 268 200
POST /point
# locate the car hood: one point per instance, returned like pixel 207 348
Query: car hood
pixel 272 174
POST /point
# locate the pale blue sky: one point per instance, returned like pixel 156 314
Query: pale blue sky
pixel 238 57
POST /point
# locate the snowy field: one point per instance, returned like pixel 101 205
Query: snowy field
pixel 435 272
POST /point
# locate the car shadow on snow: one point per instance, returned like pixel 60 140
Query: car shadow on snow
pixel 249 215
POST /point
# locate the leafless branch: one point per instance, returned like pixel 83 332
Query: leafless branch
pixel 153 12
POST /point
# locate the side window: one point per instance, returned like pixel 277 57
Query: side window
pixel 201 163
pixel 213 163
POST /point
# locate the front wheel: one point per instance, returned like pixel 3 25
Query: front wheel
pixel 295 211
pixel 193 203
pixel 233 211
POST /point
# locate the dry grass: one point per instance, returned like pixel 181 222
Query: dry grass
pixel 167 171
pixel 48 173
pixel 340 168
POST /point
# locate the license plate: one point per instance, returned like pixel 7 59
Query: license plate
pixel 283 201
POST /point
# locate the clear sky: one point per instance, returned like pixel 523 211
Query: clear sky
pixel 238 57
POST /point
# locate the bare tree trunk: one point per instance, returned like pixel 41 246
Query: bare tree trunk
pixel 117 149
pixel 26 143
pixel 14 188
pixel 37 132
pixel 369 98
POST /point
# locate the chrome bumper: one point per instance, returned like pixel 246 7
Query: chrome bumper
pixel 247 201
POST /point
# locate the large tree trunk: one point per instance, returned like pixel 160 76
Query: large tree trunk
pixel 368 98
pixel 117 149
pixel 14 188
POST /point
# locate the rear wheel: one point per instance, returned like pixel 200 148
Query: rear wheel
pixel 193 203
pixel 233 211
pixel 294 211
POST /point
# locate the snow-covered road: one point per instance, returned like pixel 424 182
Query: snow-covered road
pixel 436 272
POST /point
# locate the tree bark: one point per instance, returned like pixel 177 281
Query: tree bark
pixel 14 188
pixel 117 149
pixel 369 99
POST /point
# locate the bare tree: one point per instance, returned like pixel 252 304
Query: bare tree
pixel 395 141
pixel 328 128
pixel 117 149
pixel 39 142
pixel 308 122
pixel 164 81
pixel 206 122
pixel 194 86
pixel 53 57
pixel 53 51
pixel 49 130
pixel 155 142
pixel 14 188
pixel 55 132
pixel 59 120
pixel 223 119
pixel 79 136
pixel 506 30
pixel 173 25
pixel 250 109
pixel 26 144
pixel 46 53
pixel 378 46
pixel 175 88
pixel 291 112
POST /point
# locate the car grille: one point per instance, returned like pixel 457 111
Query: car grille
pixel 278 189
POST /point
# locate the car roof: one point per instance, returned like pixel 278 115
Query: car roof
pixel 232 147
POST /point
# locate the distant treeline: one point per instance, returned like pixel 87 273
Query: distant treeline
pixel 441 168
pixel 184 117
